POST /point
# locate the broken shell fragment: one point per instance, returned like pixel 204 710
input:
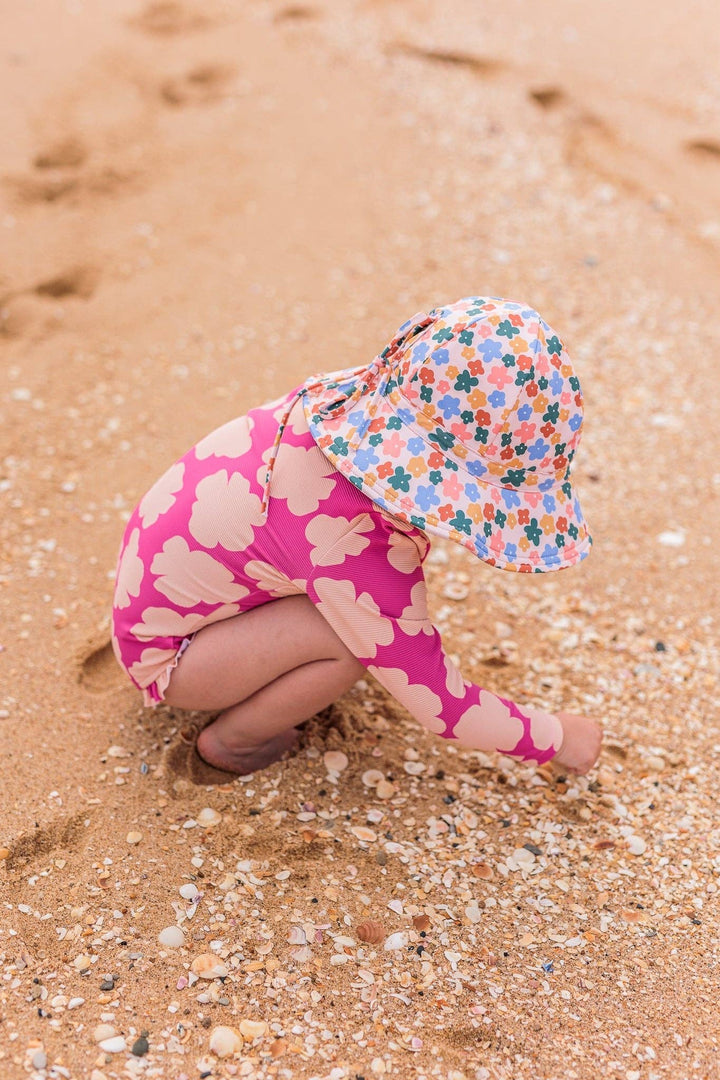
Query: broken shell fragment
pixel 208 818
pixel 207 966
pixel 372 777
pixel 396 941
pixel 371 932
pixel 225 1041
pixel 172 937
pixel 253 1029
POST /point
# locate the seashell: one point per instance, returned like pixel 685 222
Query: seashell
pixel 208 818
pixel 133 838
pixel 371 932
pixel 277 1048
pixel 483 871
pixel 114 1045
pixel 396 941
pixel 225 1041
pixel 253 1029
pixel 189 891
pixel 335 760
pixel 456 590
pixel 207 966
pixel 396 906
pixel 414 768
pixel 172 937
pixel 302 954
pixel 372 777
pixel 421 922
pixel 297 936
pixel 103 1031
pixel 636 845
pixel 363 833
pixel 385 790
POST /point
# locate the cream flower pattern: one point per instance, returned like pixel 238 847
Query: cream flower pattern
pixel 161 496
pixel 188 578
pixel 130 572
pixel 273 581
pixel 333 539
pixel 225 512
pixel 166 622
pixel 355 618
pixel 418 699
pixel 303 477
pixel 403 554
pixel 232 440
pixel 489 725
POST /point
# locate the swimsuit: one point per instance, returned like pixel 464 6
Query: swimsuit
pixel 255 512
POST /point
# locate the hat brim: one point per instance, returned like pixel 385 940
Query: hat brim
pixel 522 529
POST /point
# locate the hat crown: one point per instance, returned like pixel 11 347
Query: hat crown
pixel 490 380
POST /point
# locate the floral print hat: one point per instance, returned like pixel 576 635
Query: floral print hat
pixel 465 425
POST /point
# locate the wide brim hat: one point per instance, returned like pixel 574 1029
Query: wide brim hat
pixel 464 426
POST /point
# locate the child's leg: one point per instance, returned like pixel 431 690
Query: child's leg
pixel 268 670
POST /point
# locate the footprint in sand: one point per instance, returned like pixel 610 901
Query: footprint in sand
pixel 481 65
pixel 707 149
pixel 202 85
pixel 39 842
pixel 99 671
pixel 548 97
pixel 295 13
pixel 165 18
pixel 77 281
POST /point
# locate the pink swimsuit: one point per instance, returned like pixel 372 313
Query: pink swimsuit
pixel 203 546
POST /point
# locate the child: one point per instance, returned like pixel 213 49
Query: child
pixel 282 556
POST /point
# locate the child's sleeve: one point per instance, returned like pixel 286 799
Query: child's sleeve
pixel 375 599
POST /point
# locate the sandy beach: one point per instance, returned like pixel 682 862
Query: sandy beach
pixel 200 206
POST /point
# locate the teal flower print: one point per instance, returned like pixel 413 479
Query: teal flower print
pixel 554 345
pixel 533 532
pixel 339 446
pixel 461 522
pixel 506 329
pixel 400 479
pixel 465 337
pixel 465 382
pixel 443 335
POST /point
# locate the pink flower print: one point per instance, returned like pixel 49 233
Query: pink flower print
pixel 485 330
pixel 500 377
pixel 566 397
pixel 303 477
pixel 414 618
pixel 393 445
pixel 444 387
pixel 164 622
pixel 161 496
pixel 489 726
pixel 525 432
pixel 231 440
pixel 271 580
pixel 403 553
pixel 454 683
pixel 151 666
pixel 534 498
pixel 225 512
pixel 130 572
pixel 332 539
pixel 542 365
pixel 452 488
pixel 356 619
pixel 417 698
pixel 188 578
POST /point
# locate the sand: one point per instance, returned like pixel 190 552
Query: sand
pixel 201 206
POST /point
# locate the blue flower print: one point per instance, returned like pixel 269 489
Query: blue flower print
pixel 497 398
pixel 575 422
pixel 476 468
pixel 556 383
pixel 510 498
pixel 365 459
pixel 491 349
pixel 416 445
pixel 406 415
pixel 449 406
pixel 511 552
pixel 525 412
pixel 441 357
pixel 538 449
pixel 472 491
pixel 427 497
pixel 549 554
pixel 549 504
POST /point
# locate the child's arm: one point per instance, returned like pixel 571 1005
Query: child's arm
pixel 381 615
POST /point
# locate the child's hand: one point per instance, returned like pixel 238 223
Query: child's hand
pixel 581 743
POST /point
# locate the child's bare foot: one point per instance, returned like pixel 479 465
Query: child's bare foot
pixel 240 758
pixel 581 743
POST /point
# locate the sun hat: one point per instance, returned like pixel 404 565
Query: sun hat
pixel 465 426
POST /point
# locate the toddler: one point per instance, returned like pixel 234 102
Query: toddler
pixel 282 556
